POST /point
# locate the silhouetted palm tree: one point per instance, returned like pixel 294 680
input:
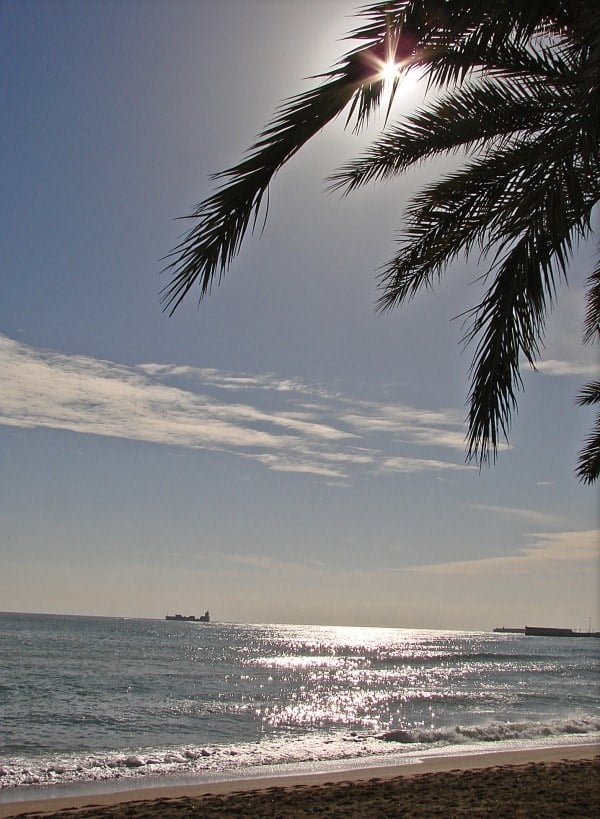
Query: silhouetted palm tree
pixel 518 90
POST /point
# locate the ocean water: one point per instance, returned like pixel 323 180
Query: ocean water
pixel 87 700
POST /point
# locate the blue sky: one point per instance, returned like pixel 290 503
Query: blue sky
pixel 281 452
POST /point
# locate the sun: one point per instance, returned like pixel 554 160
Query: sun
pixel 390 72
pixel 402 77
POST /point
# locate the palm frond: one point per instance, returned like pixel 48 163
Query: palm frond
pixel 509 321
pixel 494 204
pixel 463 120
pixel 592 316
pixel 399 29
pixel 588 465
pixel 221 220
pixel 590 394
pixel 526 90
pixel 489 204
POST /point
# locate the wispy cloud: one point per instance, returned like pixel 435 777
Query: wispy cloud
pixel 284 424
pixel 403 423
pixel 550 550
pixel 547 551
pixel 556 367
pixel 401 464
pixel 208 376
pixel 564 353
pixel 515 513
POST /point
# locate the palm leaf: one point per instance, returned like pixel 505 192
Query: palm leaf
pixel 588 467
pixel 592 316
pixel 397 29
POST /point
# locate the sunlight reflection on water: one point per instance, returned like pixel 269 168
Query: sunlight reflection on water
pixel 88 694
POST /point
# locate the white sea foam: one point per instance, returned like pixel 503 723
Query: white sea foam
pixel 493 732
pixel 274 753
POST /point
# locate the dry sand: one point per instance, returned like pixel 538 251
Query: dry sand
pixel 550 783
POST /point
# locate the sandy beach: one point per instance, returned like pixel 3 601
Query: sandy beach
pixel 553 782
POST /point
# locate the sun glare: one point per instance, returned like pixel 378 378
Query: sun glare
pixel 389 72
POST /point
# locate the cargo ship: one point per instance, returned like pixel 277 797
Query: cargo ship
pixel 544 631
pixel 189 618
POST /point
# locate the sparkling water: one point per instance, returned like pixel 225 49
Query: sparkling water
pixel 90 699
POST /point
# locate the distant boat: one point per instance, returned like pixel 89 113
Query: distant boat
pixel 189 618
pixel 543 631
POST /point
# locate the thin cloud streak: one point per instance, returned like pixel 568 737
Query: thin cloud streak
pixel 328 436
pixel 565 368
pixel 514 512
pixel 550 551
pixel 236 381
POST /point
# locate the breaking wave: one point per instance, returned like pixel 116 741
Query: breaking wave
pixel 229 760
pixel 493 732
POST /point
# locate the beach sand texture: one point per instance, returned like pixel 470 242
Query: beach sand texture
pixel 534 790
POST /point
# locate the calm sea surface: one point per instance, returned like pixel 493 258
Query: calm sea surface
pixel 90 700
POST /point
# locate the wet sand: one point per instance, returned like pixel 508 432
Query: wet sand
pixel 554 782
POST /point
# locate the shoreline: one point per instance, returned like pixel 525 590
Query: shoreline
pixel 152 799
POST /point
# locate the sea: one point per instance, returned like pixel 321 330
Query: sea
pixel 93 703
